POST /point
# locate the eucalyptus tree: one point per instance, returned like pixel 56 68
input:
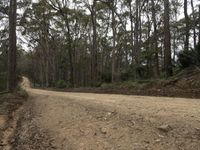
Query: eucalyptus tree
pixel 136 32
pixel 4 34
pixel 199 24
pixel 12 83
pixel 187 28
pixel 132 28
pixel 112 6
pixel 194 24
pixel 155 38
pixel 94 66
pixel 37 27
pixel 167 40
pixel 94 52
pixel 61 7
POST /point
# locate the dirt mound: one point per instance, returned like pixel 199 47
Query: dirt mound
pixel 184 84
pixel 186 79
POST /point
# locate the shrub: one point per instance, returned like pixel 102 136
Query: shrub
pixel 188 58
pixel 61 84
pixel 128 73
pixel 106 77
pixel 21 92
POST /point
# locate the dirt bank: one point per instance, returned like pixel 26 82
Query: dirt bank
pixel 10 105
pixel 185 84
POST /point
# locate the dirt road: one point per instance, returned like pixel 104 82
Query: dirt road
pixel 82 121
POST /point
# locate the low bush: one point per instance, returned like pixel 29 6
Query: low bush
pixel 189 58
pixel 106 77
pixel 61 84
pixel 21 92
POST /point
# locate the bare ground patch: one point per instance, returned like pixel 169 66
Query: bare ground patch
pixel 9 106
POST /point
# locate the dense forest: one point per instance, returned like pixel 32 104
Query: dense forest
pixel 90 42
pixel 99 74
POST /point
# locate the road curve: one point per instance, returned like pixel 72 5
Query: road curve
pixel 86 121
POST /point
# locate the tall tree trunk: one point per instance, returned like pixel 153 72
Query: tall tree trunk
pixel 149 68
pixel 140 32
pixel 136 35
pixel 94 45
pixel 155 40
pixel 149 47
pixel 114 41
pixel 70 52
pixel 199 24
pixel 47 55
pixel 174 46
pixel 194 24
pixel 136 38
pixel 187 29
pixel 167 38
pixel 70 48
pixel 12 46
pixel 45 36
pixel 47 66
pixel 41 74
pixel 132 30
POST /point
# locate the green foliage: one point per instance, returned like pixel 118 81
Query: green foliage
pixel 21 92
pixel 134 72
pixel 128 73
pixel 138 84
pixel 106 77
pixel 63 37
pixel 124 75
pixel 61 84
pixel 189 58
pixel 186 58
